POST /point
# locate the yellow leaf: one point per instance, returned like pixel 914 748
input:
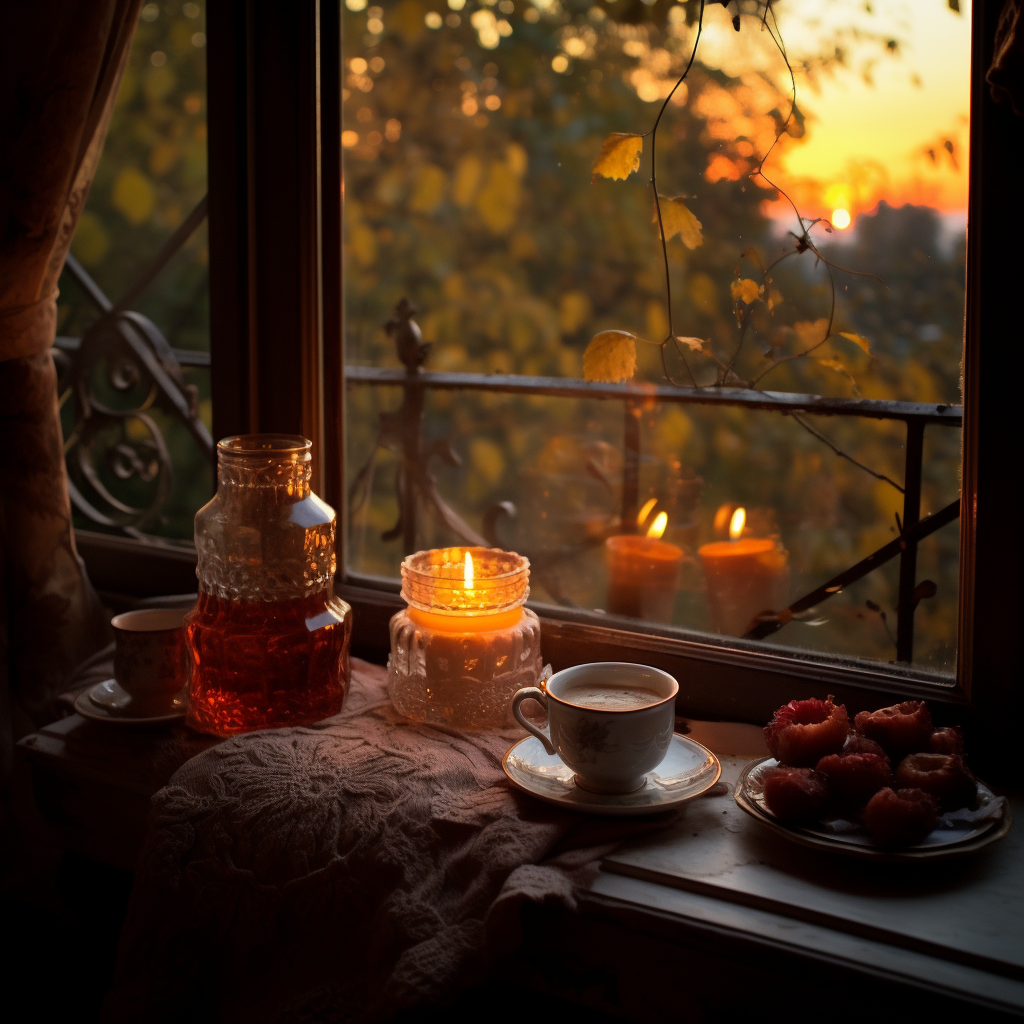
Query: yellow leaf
pixel 694 344
pixel 91 241
pixel 134 195
pixel 573 311
pixel 811 332
pixel 774 298
pixel 745 289
pixel 428 189
pixel 498 201
pixel 837 365
pixel 861 343
pixel 678 220
pixel 752 254
pixel 610 357
pixel 468 172
pixel 619 156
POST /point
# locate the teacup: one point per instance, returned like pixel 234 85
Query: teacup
pixel 610 722
pixel 149 657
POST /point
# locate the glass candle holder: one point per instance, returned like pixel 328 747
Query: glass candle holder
pixel 465 643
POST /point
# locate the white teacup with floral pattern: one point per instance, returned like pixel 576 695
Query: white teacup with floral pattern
pixel 610 722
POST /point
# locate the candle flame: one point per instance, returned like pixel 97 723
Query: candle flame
pixel 736 524
pixel 467 572
pixel 646 510
pixel 658 526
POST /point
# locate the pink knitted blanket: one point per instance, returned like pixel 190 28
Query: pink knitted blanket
pixel 341 872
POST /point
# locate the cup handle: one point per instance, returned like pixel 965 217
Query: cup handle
pixel 537 694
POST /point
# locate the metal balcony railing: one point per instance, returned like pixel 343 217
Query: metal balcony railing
pixel 131 356
pixel 402 431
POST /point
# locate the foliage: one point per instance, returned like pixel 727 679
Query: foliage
pixel 468 189
pixel 151 175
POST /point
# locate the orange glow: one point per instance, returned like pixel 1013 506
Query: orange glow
pixel 890 127
pixel 840 218
pixel 467 572
pixel 736 524
pixel 441 622
pixel 646 510
pixel 657 528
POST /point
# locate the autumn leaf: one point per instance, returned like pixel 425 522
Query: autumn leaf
pixel 610 357
pixel 677 219
pixel 811 333
pixel 774 298
pixel 752 254
pixel 694 344
pixel 861 343
pixel 837 365
pixel 619 156
pixel 744 289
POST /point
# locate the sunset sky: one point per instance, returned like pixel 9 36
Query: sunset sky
pixel 867 142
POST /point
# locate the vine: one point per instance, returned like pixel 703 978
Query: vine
pixel 611 355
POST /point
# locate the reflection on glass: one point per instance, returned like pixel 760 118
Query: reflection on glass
pixel 469 139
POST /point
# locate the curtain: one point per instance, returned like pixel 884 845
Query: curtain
pixel 60 66
pixel 1006 75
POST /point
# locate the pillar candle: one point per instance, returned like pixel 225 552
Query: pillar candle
pixel 745 577
pixel 643 574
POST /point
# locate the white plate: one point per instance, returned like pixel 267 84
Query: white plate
pixel 107 702
pixel 688 770
pixel 957 837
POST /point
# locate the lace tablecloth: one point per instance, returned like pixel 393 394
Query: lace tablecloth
pixel 341 872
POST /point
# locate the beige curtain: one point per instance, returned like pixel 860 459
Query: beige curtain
pixel 60 66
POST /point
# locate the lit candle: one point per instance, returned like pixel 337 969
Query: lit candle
pixel 465 644
pixel 746 577
pixel 643 572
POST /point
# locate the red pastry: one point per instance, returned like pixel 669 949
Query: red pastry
pixel 944 776
pixel 802 732
pixel 902 729
pixel 795 794
pixel 900 818
pixel 857 744
pixel 948 740
pixel 855 778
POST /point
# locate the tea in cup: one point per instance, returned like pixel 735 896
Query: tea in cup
pixel 149 658
pixel 610 722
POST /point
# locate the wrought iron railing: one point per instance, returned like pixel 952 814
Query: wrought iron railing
pixel 117 374
pixel 126 353
pixel 401 430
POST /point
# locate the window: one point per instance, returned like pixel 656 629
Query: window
pixel 275 273
pixel 469 134
pixel 133 315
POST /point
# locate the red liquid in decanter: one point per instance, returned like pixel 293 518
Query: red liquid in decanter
pixel 263 664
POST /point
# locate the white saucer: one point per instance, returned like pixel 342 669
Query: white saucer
pixel 688 770
pixel 107 702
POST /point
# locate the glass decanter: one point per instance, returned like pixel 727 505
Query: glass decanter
pixel 268 640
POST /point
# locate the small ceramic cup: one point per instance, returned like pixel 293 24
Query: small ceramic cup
pixel 611 750
pixel 149 657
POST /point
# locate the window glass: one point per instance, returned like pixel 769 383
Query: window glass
pixel 133 314
pixel 471 130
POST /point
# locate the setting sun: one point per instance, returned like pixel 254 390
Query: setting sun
pixel 840 218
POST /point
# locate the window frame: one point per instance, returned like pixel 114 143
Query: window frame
pixel 276 273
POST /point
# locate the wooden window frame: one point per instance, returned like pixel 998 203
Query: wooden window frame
pixel 276 328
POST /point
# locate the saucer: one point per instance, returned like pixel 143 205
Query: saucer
pixel 688 770
pixel 107 702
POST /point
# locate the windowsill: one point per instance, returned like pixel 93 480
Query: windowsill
pixel 714 883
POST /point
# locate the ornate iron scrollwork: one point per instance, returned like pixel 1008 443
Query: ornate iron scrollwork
pixel 125 385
